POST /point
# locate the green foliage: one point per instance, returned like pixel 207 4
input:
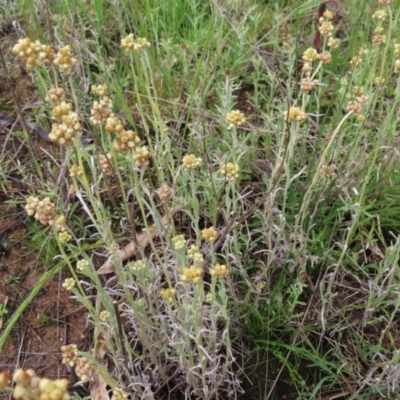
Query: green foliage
pixel 309 231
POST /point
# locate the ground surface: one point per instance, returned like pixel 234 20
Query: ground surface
pixel 50 320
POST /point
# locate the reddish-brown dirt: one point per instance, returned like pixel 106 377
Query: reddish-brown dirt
pixel 50 320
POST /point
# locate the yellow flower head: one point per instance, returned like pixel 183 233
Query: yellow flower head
pixel 220 271
pixel 192 251
pixel 326 28
pixel 81 265
pixel 328 14
pixel 191 274
pixel 333 43
pixel 310 55
pixel 168 294
pixel 325 57
pixel 142 156
pixel 139 46
pixel 190 161
pixel 119 394
pixel 75 171
pixel 295 114
pixel 64 237
pixel 63 59
pixel 104 316
pixel 230 170
pixel 137 266
pixel 178 242
pixel 209 234
pixel 195 254
pixel 99 90
pixel 379 15
pixel 235 118
pixel 69 284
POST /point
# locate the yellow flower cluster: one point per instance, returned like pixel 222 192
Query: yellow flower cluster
pixel 379 15
pixel 83 368
pixel 379 38
pixel 192 251
pixel 325 25
pixel 105 164
pixel 194 254
pixel 326 28
pixel 307 84
pixel 235 118
pixel 310 55
pixel 356 100
pixel 69 354
pixel 119 394
pixel 104 316
pixel 31 205
pixel 55 95
pixel 99 90
pixel 63 59
pixel 209 234
pixel 191 274
pixel 178 242
pixel 34 54
pixel 325 57
pixel 165 192
pixel 65 131
pixel 81 265
pixel 62 109
pixel 101 111
pixel 295 114
pixel 29 386
pixel 114 125
pixel 42 210
pixel 190 161
pixel 142 156
pixel 137 266
pixel 75 170
pixel 230 170
pixel 333 43
pixel 126 140
pixel 68 284
pixel 328 14
pixel 219 271
pixel 60 225
pixel 168 294
pixel 64 237
pixel 139 46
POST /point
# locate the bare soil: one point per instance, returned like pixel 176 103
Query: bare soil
pixel 50 320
